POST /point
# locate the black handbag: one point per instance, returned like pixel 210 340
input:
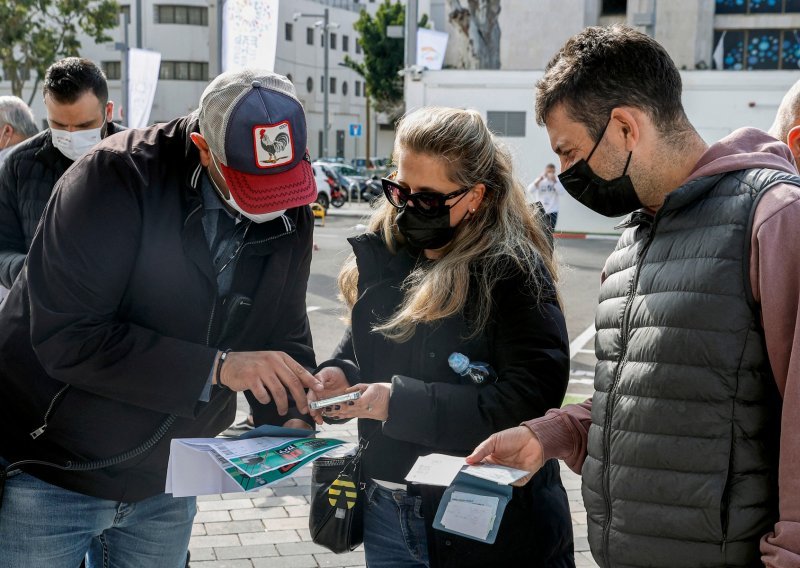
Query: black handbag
pixel 336 520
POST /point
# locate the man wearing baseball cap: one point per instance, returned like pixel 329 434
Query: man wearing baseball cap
pixel 169 271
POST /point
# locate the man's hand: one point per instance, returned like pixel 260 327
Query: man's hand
pixel 269 375
pixel 334 382
pixel 516 447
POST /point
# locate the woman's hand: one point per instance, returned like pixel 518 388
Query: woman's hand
pixel 334 382
pixel 373 404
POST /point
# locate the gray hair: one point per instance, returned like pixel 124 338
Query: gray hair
pixel 788 114
pixel 15 112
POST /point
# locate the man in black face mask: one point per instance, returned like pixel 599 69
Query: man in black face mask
pixel 680 449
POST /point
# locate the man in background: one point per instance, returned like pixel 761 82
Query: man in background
pixel 545 190
pixel 16 124
pixel 79 115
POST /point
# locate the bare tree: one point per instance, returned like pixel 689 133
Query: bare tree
pixel 477 31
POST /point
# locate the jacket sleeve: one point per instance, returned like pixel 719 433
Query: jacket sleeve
pixel 78 270
pixel 12 241
pixel 775 280
pixel 530 350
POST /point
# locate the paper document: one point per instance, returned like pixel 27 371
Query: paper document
pixel 439 469
pixel 208 466
pixel 470 514
pixel 497 473
pixel 435 469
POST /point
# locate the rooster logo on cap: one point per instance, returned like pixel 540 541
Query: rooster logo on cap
pixel 273 147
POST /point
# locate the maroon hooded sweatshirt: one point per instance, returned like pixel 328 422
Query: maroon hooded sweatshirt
pixel 775 278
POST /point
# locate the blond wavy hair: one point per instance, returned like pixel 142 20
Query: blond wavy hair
pixel 502 235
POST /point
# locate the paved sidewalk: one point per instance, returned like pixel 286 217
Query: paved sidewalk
pixel 269 528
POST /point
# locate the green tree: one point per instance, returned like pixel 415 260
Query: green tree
pixel 36 33
pixel 383 56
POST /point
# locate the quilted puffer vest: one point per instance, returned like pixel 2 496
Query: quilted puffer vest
pixel 682 455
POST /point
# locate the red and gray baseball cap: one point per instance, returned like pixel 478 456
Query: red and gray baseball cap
pixel 256 129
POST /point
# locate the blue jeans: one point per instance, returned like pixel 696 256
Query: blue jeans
pixel 394 530
pixel 45 525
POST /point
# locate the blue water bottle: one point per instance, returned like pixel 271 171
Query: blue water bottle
pixel 477 371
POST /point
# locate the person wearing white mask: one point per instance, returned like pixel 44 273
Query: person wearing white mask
pixel 79 115
pixel 168 273
pixel 16 124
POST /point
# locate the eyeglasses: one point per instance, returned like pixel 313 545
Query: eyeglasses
pixel 428 203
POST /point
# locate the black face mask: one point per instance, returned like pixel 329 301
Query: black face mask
pixel 424 232
pixel 609 197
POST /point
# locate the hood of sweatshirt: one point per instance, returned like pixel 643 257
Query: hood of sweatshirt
pixel 744 149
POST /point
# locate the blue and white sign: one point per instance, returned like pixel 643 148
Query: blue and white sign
pixel 355 130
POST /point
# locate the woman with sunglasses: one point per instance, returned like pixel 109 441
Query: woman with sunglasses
pixel 454 261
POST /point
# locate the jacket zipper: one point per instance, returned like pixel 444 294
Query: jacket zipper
pixel 610 402
pixel 40 430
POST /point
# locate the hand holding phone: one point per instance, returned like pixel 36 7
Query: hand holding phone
pixel 317 404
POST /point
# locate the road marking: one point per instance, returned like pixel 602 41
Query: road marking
pixel 310 309
pixel 577 346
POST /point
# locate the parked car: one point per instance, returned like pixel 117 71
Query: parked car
pixel 328 191
pixel 378 166
pixel 350 179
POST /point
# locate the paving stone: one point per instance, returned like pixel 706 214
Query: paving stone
pixel 349 559
pixel 305 534
pixel 581 544
pixel 266 492
pixel 225 505
pixel 286 524
pixel 234 527
pixel 202 554
pixel 294 548
pixel 208 498
pixel 198 529
pixel 282 501
pixel 271 537
pixel 282 491
pixel 246 551
pixel 211 541
pixel 212 517
pixel 244 563
pixel 258 513
pixel 586 559
pixel 579 518
pixel 298 510
pixel 305 561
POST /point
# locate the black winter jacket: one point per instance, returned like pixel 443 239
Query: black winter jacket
pixel 27 179
pixel 124 319
pixel 432 409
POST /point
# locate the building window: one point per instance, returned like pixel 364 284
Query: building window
pixel 333 85
pixel 184 71
pixel 344 87
pixel 508 124
pixel 287 31
pixel 322 39
pixel 358 47
pixel 125 9
pixel 309 84
pixel 333 41
pixel 345 43
pixel 740 50
pixel 112 69
pixel 358 88
pixel 187 15
pixel 614 7
pixel 322 84
pixel 309 36
pixel 756 6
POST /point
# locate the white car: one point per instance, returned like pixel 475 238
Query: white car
pixel 323 188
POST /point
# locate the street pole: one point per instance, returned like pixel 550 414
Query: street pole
pixel 327 86
pixel 139 23
pixel 124 47
pixel 366 151
pixel 412 17
pixel 220 15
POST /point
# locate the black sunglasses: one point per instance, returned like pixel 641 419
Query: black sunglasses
pixel 428 203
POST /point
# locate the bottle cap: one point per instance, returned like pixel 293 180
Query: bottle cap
pixel 458 362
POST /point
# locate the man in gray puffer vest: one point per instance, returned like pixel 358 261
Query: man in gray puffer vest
pixel 698 342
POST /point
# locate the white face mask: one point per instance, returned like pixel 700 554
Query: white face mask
pixel 75 144
pixel 255 218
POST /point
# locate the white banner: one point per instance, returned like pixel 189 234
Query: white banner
pixel 143 68
pixel 249 34
pixel 431 46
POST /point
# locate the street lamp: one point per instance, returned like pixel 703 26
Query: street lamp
pixel 326 26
